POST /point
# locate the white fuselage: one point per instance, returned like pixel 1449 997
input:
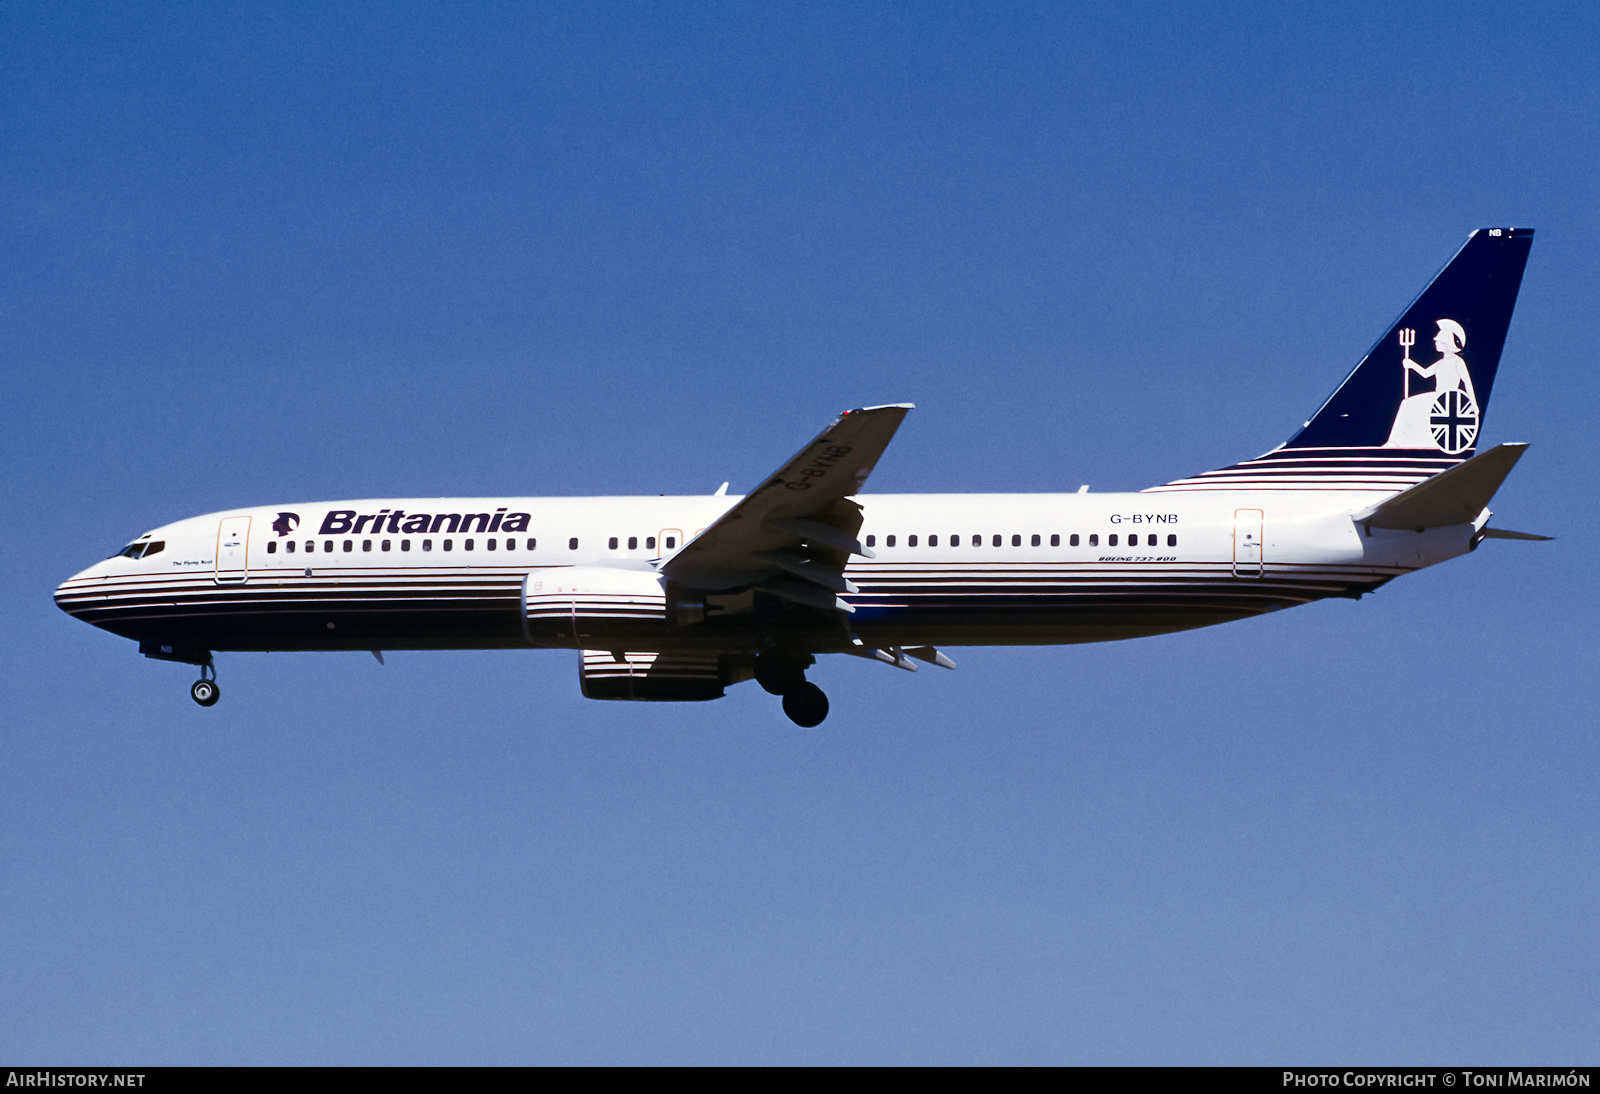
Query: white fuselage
pixel 955 569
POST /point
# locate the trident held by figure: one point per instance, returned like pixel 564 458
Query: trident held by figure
pixel 1408 338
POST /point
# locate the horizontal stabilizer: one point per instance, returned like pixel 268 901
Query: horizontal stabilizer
pixel 1455 496
pixel 1506 533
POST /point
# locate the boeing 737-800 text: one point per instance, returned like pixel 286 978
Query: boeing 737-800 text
pixel 676 598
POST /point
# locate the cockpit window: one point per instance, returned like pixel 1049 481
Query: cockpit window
pixel 141 549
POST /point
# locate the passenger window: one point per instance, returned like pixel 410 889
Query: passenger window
pixel 672 541
pixel 977 541
pixel 448 545
pixel 272 547
pixel 1094 539
pixel 1016 541
pixel 1150 540
pixel 611 544
pixel 384 545
pixel 327 546
pixel 491 544
pixel 649 543
pixel 405 545
pixel 1072 541
pixel 1036 541
pixel 311 545
pixel 289 546
pixel 366 545
pixel 997 541
pixel 933 541
pixel 1111 540
pixel 911 541
pixel 350 545
pixel 467 546
pixel 532 543
pixel 427 545
pixel 955 541
pixel 872 541
pixel 572 544
pixel 633 543
pixel 1055 541
pixel 1172 541
pixel 888 541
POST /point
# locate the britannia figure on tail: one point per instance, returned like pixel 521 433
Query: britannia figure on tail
pixel 1446 417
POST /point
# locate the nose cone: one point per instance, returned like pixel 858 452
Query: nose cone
pixel 76 594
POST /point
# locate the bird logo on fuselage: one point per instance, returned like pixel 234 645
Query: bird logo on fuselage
pixel 286 523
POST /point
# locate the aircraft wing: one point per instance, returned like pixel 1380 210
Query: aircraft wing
pixel 796 531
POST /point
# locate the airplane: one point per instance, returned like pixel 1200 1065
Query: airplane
pixel 679 598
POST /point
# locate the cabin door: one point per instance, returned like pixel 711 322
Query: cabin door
pixel 1247 529
pixel 233 541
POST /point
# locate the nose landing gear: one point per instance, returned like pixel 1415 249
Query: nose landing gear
pixel 804 702
pixel 204 690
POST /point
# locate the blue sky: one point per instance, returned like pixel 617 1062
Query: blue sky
pixel 275 253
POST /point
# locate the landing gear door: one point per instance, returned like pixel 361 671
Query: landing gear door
pixel 233 542
pixel 1247 530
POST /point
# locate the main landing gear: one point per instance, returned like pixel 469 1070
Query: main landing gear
pixel 204 690
pixel 804 702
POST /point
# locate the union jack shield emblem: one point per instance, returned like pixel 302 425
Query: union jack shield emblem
pixel 1454 421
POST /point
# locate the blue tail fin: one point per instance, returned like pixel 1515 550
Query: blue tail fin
pixel 1414 405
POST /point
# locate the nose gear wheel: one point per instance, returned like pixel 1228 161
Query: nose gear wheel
pixel 204 690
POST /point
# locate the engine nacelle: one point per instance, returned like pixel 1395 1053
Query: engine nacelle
pixel 656 677
pixel 593 606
